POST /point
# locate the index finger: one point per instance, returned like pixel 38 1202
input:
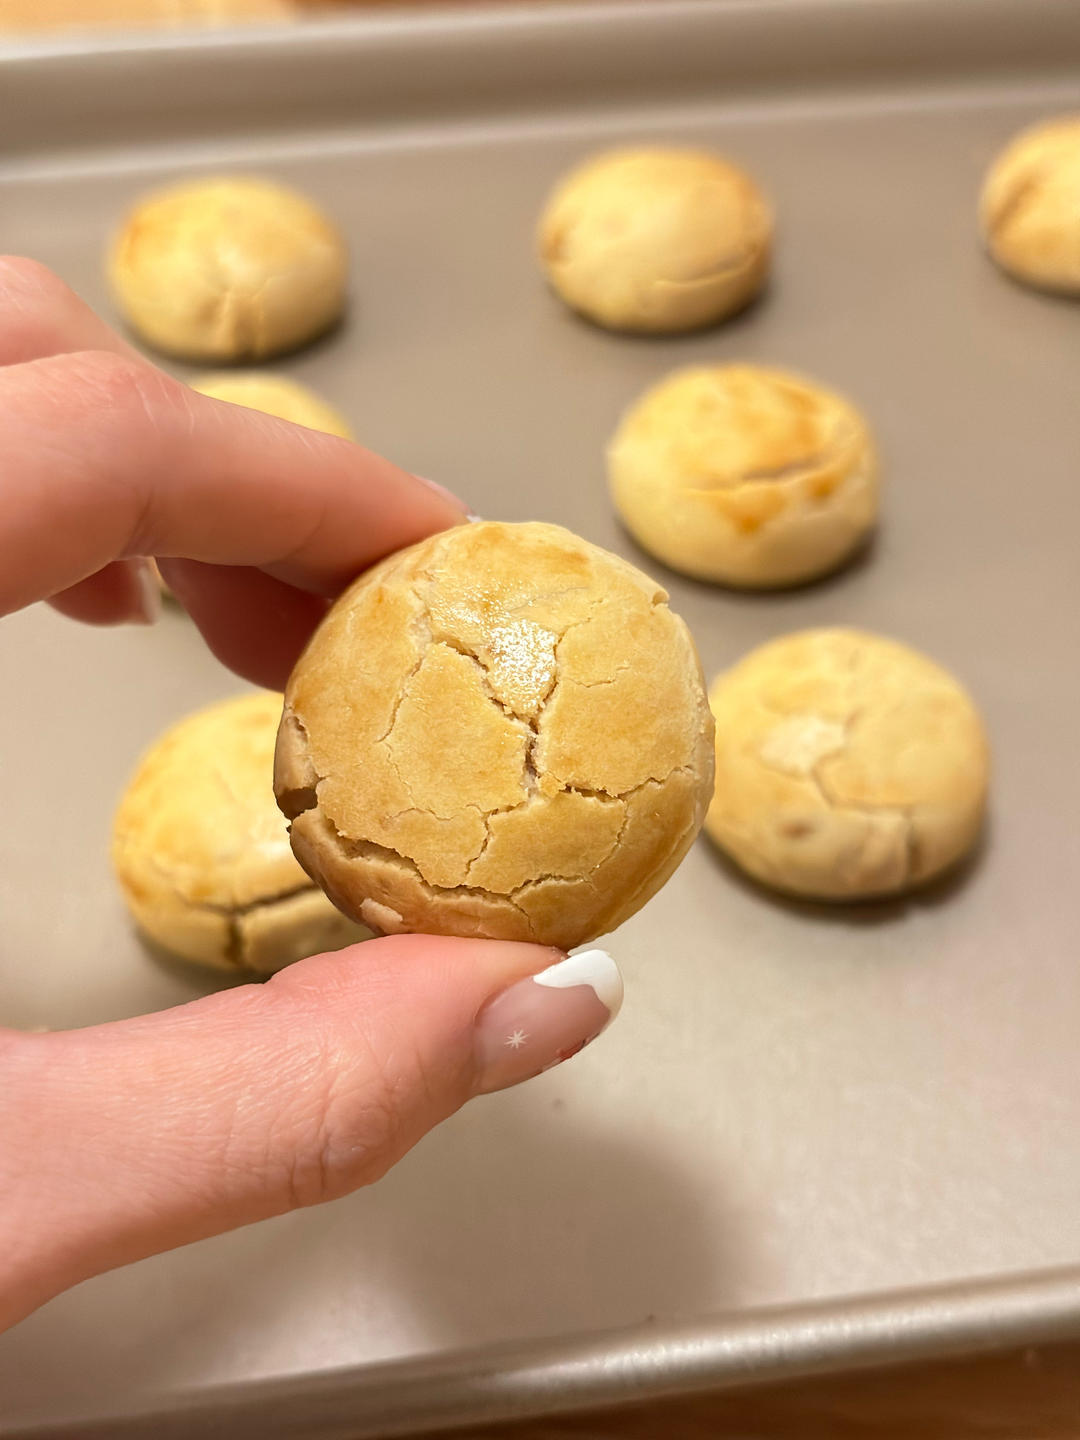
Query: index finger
pixel 107 457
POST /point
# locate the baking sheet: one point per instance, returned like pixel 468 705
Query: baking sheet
pixel 797 1104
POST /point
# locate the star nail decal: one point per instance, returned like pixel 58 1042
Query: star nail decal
pixel 517 1039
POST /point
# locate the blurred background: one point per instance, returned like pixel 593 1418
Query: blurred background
pixel 41 16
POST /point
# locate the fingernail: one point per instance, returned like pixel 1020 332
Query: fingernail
pixel 541 1021
pixel 147 593
pixel 442 490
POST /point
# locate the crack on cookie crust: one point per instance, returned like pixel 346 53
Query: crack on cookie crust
pixel 834 454
pixel 235 949
pixel 430 636
pixel 1015 198
pixel 522 686
pixel 369 849
pixel 210 907
pixel 861 690
pixel 817 781
pixel 356 849
pixel 298 799
pixel 902 813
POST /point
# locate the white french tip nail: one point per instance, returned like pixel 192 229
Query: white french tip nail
pixel 544 1019
pixel 473 519
pixel 594 968
pixel 148 590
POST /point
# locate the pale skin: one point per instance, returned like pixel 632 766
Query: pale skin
pixel 129 1138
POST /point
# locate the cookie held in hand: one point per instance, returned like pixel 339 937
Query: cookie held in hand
pixel 501 732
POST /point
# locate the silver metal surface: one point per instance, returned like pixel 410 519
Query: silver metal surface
pixel 551 1377
pixel 796 1104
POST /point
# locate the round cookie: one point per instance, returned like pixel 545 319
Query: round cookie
pixel 847 765
pixel 656 240
pixel 230 268
pixel 1029 210
pixel 202 854
pixel 744 476
pixel 501 731
pixel 274 395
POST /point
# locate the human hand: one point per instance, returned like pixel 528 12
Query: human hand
pixel 120 1140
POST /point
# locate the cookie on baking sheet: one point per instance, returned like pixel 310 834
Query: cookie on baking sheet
pixel 228 268
pixel 1029 210
pixel 847 765
pixel 202 853
pixel 744 475
pixel 274 395
pixel 656 239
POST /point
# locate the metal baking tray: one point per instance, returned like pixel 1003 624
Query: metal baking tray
pixel 816 1137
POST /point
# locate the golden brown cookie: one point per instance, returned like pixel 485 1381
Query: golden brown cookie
pixel 229 268
pixel 202 854
pixel 1030 206
pixel 847 765
pixel 274 395
pixel 656 239
pixel 743 475
pixel 501 732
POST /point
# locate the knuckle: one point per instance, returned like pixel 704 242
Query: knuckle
pixel 119 376
pixel 358 1124
pixel 368 1089
pixel 37 309
pixel 351 1142
pixel 124 384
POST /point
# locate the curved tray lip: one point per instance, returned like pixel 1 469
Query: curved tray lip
pixel 77 92
pixel 509 17
pixel 609 1368
pixel 595 1369
pixel 435 18
pixel 870 25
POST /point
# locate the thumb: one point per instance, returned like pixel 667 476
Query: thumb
pixel 125 1139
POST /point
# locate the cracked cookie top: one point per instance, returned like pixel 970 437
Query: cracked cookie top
pixel 502 731
pixel 656 239
pixel 227 269
pixel 744 475
pixel 846 765
pixel 1029 209
pixel 202 854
